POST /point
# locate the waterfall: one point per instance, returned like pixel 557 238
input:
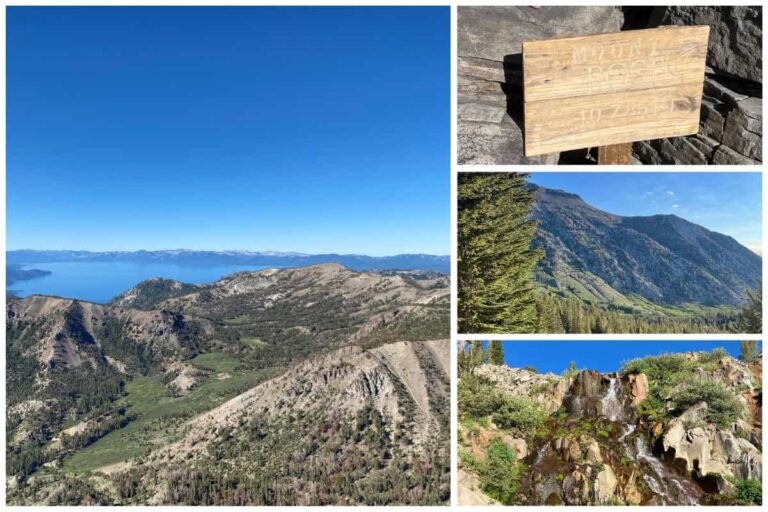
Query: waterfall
pixel 630 429
pixel 684 492
pixel 612 406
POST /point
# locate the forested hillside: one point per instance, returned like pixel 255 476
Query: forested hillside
pixel 538 260
pixel 315 385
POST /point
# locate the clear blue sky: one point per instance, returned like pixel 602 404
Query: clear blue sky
pixel 294 129
pixel 726 202
pixel 604 356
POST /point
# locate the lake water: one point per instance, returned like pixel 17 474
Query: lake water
pixel 100 282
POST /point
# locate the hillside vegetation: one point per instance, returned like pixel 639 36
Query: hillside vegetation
pixel 315 385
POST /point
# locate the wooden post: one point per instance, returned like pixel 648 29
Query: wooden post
pixel 614 154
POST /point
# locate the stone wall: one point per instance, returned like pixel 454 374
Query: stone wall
pixel 490 81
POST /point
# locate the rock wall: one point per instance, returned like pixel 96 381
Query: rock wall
pixel 490 72
pixel 731 128
pixel 490 114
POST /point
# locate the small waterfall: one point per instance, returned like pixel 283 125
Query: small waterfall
pixel 629 430
pixel 684 492
pixel 612 406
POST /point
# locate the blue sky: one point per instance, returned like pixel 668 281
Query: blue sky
pixel 602 355
pixel 294 129
pixel 726 202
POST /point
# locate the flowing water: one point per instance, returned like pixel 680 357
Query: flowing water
pixel 682 492
pixel 613 409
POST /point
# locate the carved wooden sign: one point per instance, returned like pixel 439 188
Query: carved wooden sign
pixel 607 89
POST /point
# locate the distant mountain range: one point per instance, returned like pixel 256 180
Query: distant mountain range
pixel 268 258
pixel 598 256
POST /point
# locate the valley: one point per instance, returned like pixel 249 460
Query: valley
pixel 540 260
pixel 311 385
pixel 668 429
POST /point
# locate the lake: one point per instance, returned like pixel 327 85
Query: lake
pixel 102 281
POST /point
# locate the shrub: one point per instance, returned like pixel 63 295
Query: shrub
pixel 653 408
pixel 723 408
pixel 522 414
pixel 714 356
pixel 656 367
pixel 749 492
pixel 478 397
pixel 500 473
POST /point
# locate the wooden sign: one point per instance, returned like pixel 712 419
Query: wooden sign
pixel 618 88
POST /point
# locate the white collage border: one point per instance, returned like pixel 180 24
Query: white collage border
pixel 454 170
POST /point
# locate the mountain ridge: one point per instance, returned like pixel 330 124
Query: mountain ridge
pixel 662 258
pixel 86 380
pixel 264 258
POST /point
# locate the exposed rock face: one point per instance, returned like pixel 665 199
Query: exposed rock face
pixel 469 490
pixel 605 485
pixel 731 112
pixel 587 453
pixel 549 389
pixel 490 72
pixel 709 450
pixel 735 37
pixel 638 388
pixel 663 258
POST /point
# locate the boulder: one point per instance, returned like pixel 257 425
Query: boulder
pixel 575 488
pixel 593 454
pixel 518 445
pixel 638 388
pixel 605 485
pixel 490 72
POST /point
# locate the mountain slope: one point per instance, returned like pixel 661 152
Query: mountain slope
pixel 93 386
pixel 264 258
pixel 676 429
pixel 662 258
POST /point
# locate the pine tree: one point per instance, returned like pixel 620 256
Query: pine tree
pixel 496 353
pixel 495 255
pixel 752 314
pixel 749 351
pixel 476 354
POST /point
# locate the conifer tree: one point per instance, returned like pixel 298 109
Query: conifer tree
pixel 495 254
pixel 749 351
pixel 752 314
pixel 496 353
pixel 476 354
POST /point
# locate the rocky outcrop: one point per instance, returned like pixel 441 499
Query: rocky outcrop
pixel 605 485
pixel 707 450
pixel 638 388
pixel 490 72
pixel 600 448
pixel 735 37
pixel 548 389
pixel 731 111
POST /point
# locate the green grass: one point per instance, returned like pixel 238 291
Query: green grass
pixel 252 342
pixel 160 416
pixel 241 319
pixel 217 362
